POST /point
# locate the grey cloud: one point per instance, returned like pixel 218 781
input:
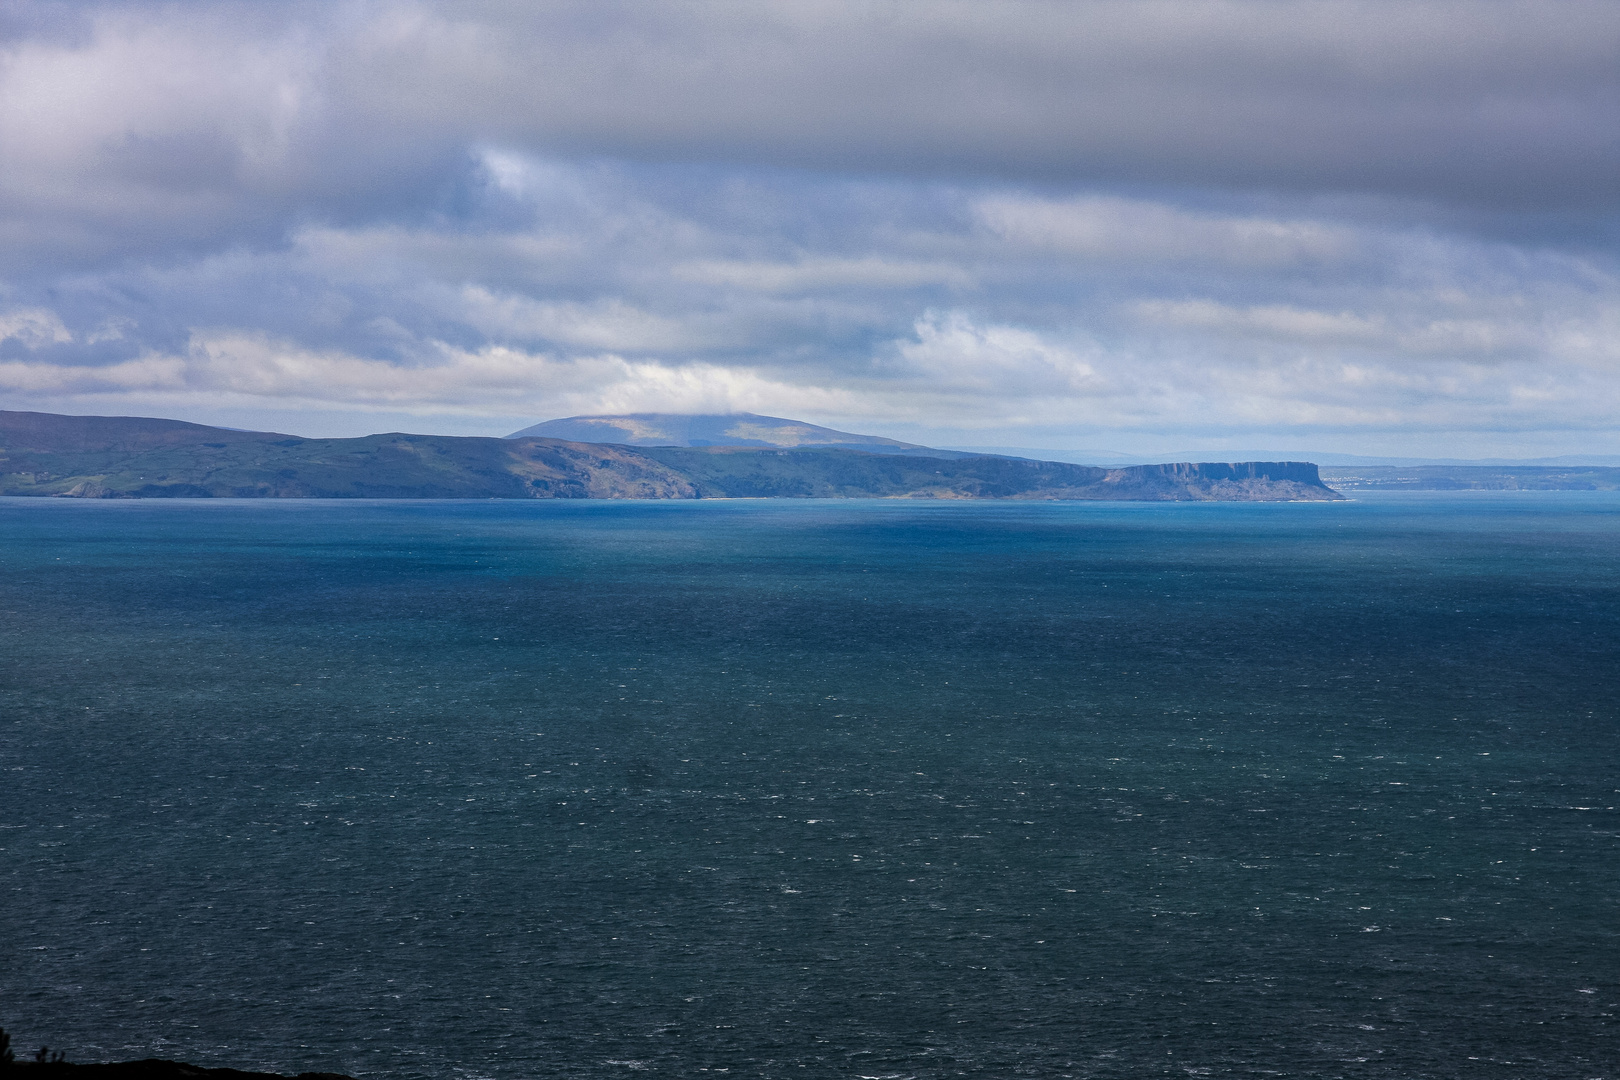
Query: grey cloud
pixel 910 217
pixel 644 293
pixel 182 123
pixel 820 273
pixel 1134 229
pixel 1480 338
pixel 1492 99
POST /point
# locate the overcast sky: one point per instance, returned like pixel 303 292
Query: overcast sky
pixel 1385 227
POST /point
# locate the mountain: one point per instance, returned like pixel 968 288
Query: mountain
pixel 715 429
pixel 136 457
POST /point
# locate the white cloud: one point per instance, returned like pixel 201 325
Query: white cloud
pixel 237 366
pixel 33 327
pixel 953 354
pixel 951 370
pixel 25 379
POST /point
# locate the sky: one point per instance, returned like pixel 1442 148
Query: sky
pixel 1385 227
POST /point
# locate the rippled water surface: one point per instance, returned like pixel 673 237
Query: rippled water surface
pixel 815 789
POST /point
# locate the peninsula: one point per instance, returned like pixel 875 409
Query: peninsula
pixel 101 457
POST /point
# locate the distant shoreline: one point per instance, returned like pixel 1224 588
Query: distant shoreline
pixel 88 457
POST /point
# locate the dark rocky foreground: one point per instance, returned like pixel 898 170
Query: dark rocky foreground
pixel 136 457
pixel 149 1069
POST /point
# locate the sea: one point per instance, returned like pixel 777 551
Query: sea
pixel 874 790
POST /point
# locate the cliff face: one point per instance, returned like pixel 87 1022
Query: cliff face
pixel 1246 481
pixel 131 457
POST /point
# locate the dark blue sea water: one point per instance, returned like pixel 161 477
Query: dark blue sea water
pixel 815 789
